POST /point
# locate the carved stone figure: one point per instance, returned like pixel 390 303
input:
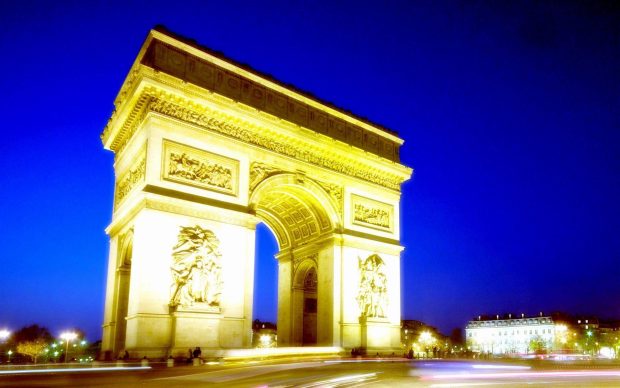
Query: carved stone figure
pixel 372 295
pixel 260 171
pixel 196 269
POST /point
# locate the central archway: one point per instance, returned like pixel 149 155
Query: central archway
pixel 303 219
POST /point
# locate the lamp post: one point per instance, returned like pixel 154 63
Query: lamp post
pixel 68 336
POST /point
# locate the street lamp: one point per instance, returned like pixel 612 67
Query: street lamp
pixel 68 336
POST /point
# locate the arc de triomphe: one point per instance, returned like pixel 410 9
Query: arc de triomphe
pixel 204 150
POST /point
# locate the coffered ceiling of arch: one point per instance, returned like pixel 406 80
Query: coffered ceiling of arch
pixel 300 218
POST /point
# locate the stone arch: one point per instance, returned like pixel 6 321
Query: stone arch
pixel 300 213
pixel 244 149
pixel 295 208
pixel 304 301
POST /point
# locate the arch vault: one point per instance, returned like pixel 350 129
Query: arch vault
pixel 204 150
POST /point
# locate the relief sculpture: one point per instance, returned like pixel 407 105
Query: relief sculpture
pixel 373 216
pixel 372 295
pixel 260 171
pixel 183 166
pixel 131 178
pixel 199 168
pixel 196 268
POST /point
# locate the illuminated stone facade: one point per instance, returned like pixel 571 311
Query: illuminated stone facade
pixel 511 336
pixel 205 150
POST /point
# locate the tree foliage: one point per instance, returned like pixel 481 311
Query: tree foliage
pixel 31 333
pixel 32 348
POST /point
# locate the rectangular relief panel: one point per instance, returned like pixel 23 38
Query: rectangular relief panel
pixel 373 214
pixel 195 167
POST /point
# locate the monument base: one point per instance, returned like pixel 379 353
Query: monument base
pixel 379 336
pixel 196 326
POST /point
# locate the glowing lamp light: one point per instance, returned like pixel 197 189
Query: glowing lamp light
pixel 426 337
pixel 4 334
pixel 265 340
pixel 68 336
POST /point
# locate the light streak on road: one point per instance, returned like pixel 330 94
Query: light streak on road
pixel 488 366
pixel 71 370
pixel 523 375
pixel 363 360
pixel 348 379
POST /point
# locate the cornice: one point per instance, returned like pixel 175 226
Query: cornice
pixel 197 66
pixel 151 98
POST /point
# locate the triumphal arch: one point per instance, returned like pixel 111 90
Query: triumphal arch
pixel 204 150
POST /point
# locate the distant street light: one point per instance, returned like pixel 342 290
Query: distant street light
pixel 68 336
pixel 9 353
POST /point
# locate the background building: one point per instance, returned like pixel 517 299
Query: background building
pixel 511 335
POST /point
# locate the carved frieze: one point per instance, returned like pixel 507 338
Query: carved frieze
pixel 152 102
pixel 372 214
pixel 305 154
pixel 129 180
pixel 372 295
pixel 196 269
pixel 185 66
pixel 199 168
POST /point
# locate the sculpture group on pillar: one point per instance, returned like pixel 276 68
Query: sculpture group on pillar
pixel 372 296
pixel 196 268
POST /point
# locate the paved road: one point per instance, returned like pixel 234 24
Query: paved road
pixel 335 373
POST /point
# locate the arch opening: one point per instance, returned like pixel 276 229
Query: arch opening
pixel 123 272
pixel 300 214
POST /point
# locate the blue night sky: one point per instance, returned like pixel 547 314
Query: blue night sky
pixel 510 113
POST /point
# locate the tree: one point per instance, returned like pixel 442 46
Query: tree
pixel 31 333
pixel 32 348
pixel 538 345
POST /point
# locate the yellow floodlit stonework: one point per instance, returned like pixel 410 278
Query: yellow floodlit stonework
pixel 204 150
